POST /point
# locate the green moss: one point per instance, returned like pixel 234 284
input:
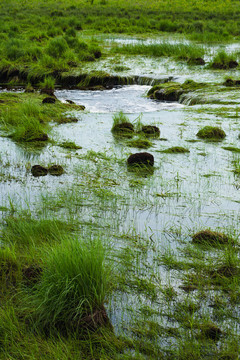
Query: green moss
pixel 172 91
pixel 231 148
pixel 139 143
pixel 69 145
pixel 211 133
pixel 176 150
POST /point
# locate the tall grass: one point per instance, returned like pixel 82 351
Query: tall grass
pixel 178 51
pixel 74 283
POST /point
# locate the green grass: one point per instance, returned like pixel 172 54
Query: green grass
pixel 223 60
pixel 178 51
pixel 74 284
pixel 24 118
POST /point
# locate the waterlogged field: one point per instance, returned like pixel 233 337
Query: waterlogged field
pixel 100 259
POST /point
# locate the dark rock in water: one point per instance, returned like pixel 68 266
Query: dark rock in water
pixel 142 158
pixel 151 130
pixel 97 54
pixel 31 274
pixel 231 82
pixel 199 61
pixel 48 100
pixel 208 237
pixel 56 170
pixel 232 64
pixel 70 102
pixel 38 170
pixel 168 94
pixel 125 127
pixel 211 331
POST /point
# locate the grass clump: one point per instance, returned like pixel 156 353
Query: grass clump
pixel 222 60
pixel 186 52
pixel 57 47
pixel 122 126
pixel 48 84
pixel 24 232
pixel 176 150
pixel 211 133
pixel 73 286
pixel 150 131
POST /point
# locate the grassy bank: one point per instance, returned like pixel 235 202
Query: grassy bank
pixel 61 44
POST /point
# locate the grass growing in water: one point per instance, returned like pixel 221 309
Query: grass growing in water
pixel 70 145
pixel 222 60
pixel 178 51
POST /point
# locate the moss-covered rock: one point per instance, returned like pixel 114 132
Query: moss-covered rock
pixel 151 131
pixel 211 132
pixel 142 158
pixel 38 170
pixel 208 237
pixel 56 170
pixel 172 91
pixel 125 129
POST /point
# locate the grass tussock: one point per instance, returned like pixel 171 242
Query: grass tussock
pixel 73 285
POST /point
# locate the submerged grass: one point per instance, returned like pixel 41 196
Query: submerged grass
pixel 178 51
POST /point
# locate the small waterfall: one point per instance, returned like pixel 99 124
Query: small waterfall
pixel 144 80
pixel 192 99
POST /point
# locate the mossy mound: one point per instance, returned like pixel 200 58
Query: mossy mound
pixel 142 158
pixel 56 170
pixel 151 131
pixel 231 64
pixel 211 133
pixel 212 238
pixel 139 143
pixel 70 145
pixel 125 129
pixel 38 170
pixel 231 82
pixel 67 120
pixel 175 150
pixel 172 91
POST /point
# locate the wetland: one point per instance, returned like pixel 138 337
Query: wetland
pixel 119 181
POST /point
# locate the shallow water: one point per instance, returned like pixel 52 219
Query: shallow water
pixel 185 193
